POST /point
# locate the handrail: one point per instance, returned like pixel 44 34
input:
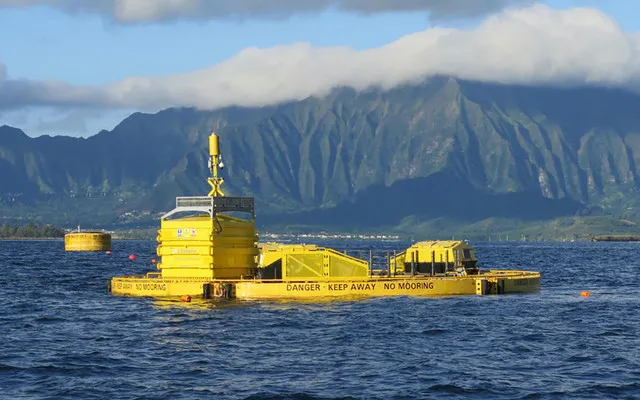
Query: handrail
pixel 212 205
pixel 333 251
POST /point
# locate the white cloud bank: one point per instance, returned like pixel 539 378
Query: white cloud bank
pixel 141 11
pixel 533 45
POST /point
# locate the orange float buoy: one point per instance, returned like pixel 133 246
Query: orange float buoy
pixel 186 298
pixel 132 257
pixel 108 251
pixel 153 260
pixel 585 293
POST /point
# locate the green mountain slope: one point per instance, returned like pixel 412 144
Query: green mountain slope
pixel 451 149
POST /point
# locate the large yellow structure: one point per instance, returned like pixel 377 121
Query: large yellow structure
pixel 207 246
pixel 213 252
pixel 304 261
pixel 436 257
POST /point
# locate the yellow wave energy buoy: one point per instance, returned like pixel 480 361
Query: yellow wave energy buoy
pixel 87 241
pixel 211 251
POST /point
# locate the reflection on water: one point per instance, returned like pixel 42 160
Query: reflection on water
pixel 195 304
pixel 199 304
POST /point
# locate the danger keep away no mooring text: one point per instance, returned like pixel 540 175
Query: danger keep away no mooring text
pixel 315 287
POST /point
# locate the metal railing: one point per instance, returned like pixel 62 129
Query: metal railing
pixel 212 205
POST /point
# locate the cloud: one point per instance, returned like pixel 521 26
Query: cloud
pixel 84 122
pixel 73 121
pixel 533 45
pixel 136 11
pixel 24 93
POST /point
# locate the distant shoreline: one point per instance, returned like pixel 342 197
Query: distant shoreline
pixel 615 238
pixel 60 238
pixel 32 238
pixel 590 239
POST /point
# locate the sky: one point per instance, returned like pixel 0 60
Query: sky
pixel 75 67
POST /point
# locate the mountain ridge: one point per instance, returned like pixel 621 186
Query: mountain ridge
pixel 577 148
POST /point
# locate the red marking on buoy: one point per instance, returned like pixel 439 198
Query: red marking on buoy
pixel 153 260
pixel 186 298
pixel 132 257
pixel 585 293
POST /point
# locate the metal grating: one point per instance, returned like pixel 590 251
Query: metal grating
pixel 213 205
pixel 194 201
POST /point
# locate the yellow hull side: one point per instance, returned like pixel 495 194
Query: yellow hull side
pixel 524 285
pixel 495 282
pixel 157 287
pixel 349 288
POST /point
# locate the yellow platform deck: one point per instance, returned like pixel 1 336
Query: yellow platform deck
pixel 214 253
pixel 489 282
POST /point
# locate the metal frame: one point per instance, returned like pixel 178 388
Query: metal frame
pixel 212 205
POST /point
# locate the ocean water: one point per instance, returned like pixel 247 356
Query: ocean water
pixel 64 337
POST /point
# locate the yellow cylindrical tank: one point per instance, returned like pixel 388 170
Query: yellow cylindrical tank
pixel 214 145
pixel 203 247
pixel 87 241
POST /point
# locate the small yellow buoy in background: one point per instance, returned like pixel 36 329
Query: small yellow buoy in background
pixel 186 298
pixel 87 241
pixel 585 293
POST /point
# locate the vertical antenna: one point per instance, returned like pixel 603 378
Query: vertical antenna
pixel 215 161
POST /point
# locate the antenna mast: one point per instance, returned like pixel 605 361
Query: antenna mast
pixel 215 162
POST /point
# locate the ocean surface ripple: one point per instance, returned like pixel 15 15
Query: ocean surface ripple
pixel 64 336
